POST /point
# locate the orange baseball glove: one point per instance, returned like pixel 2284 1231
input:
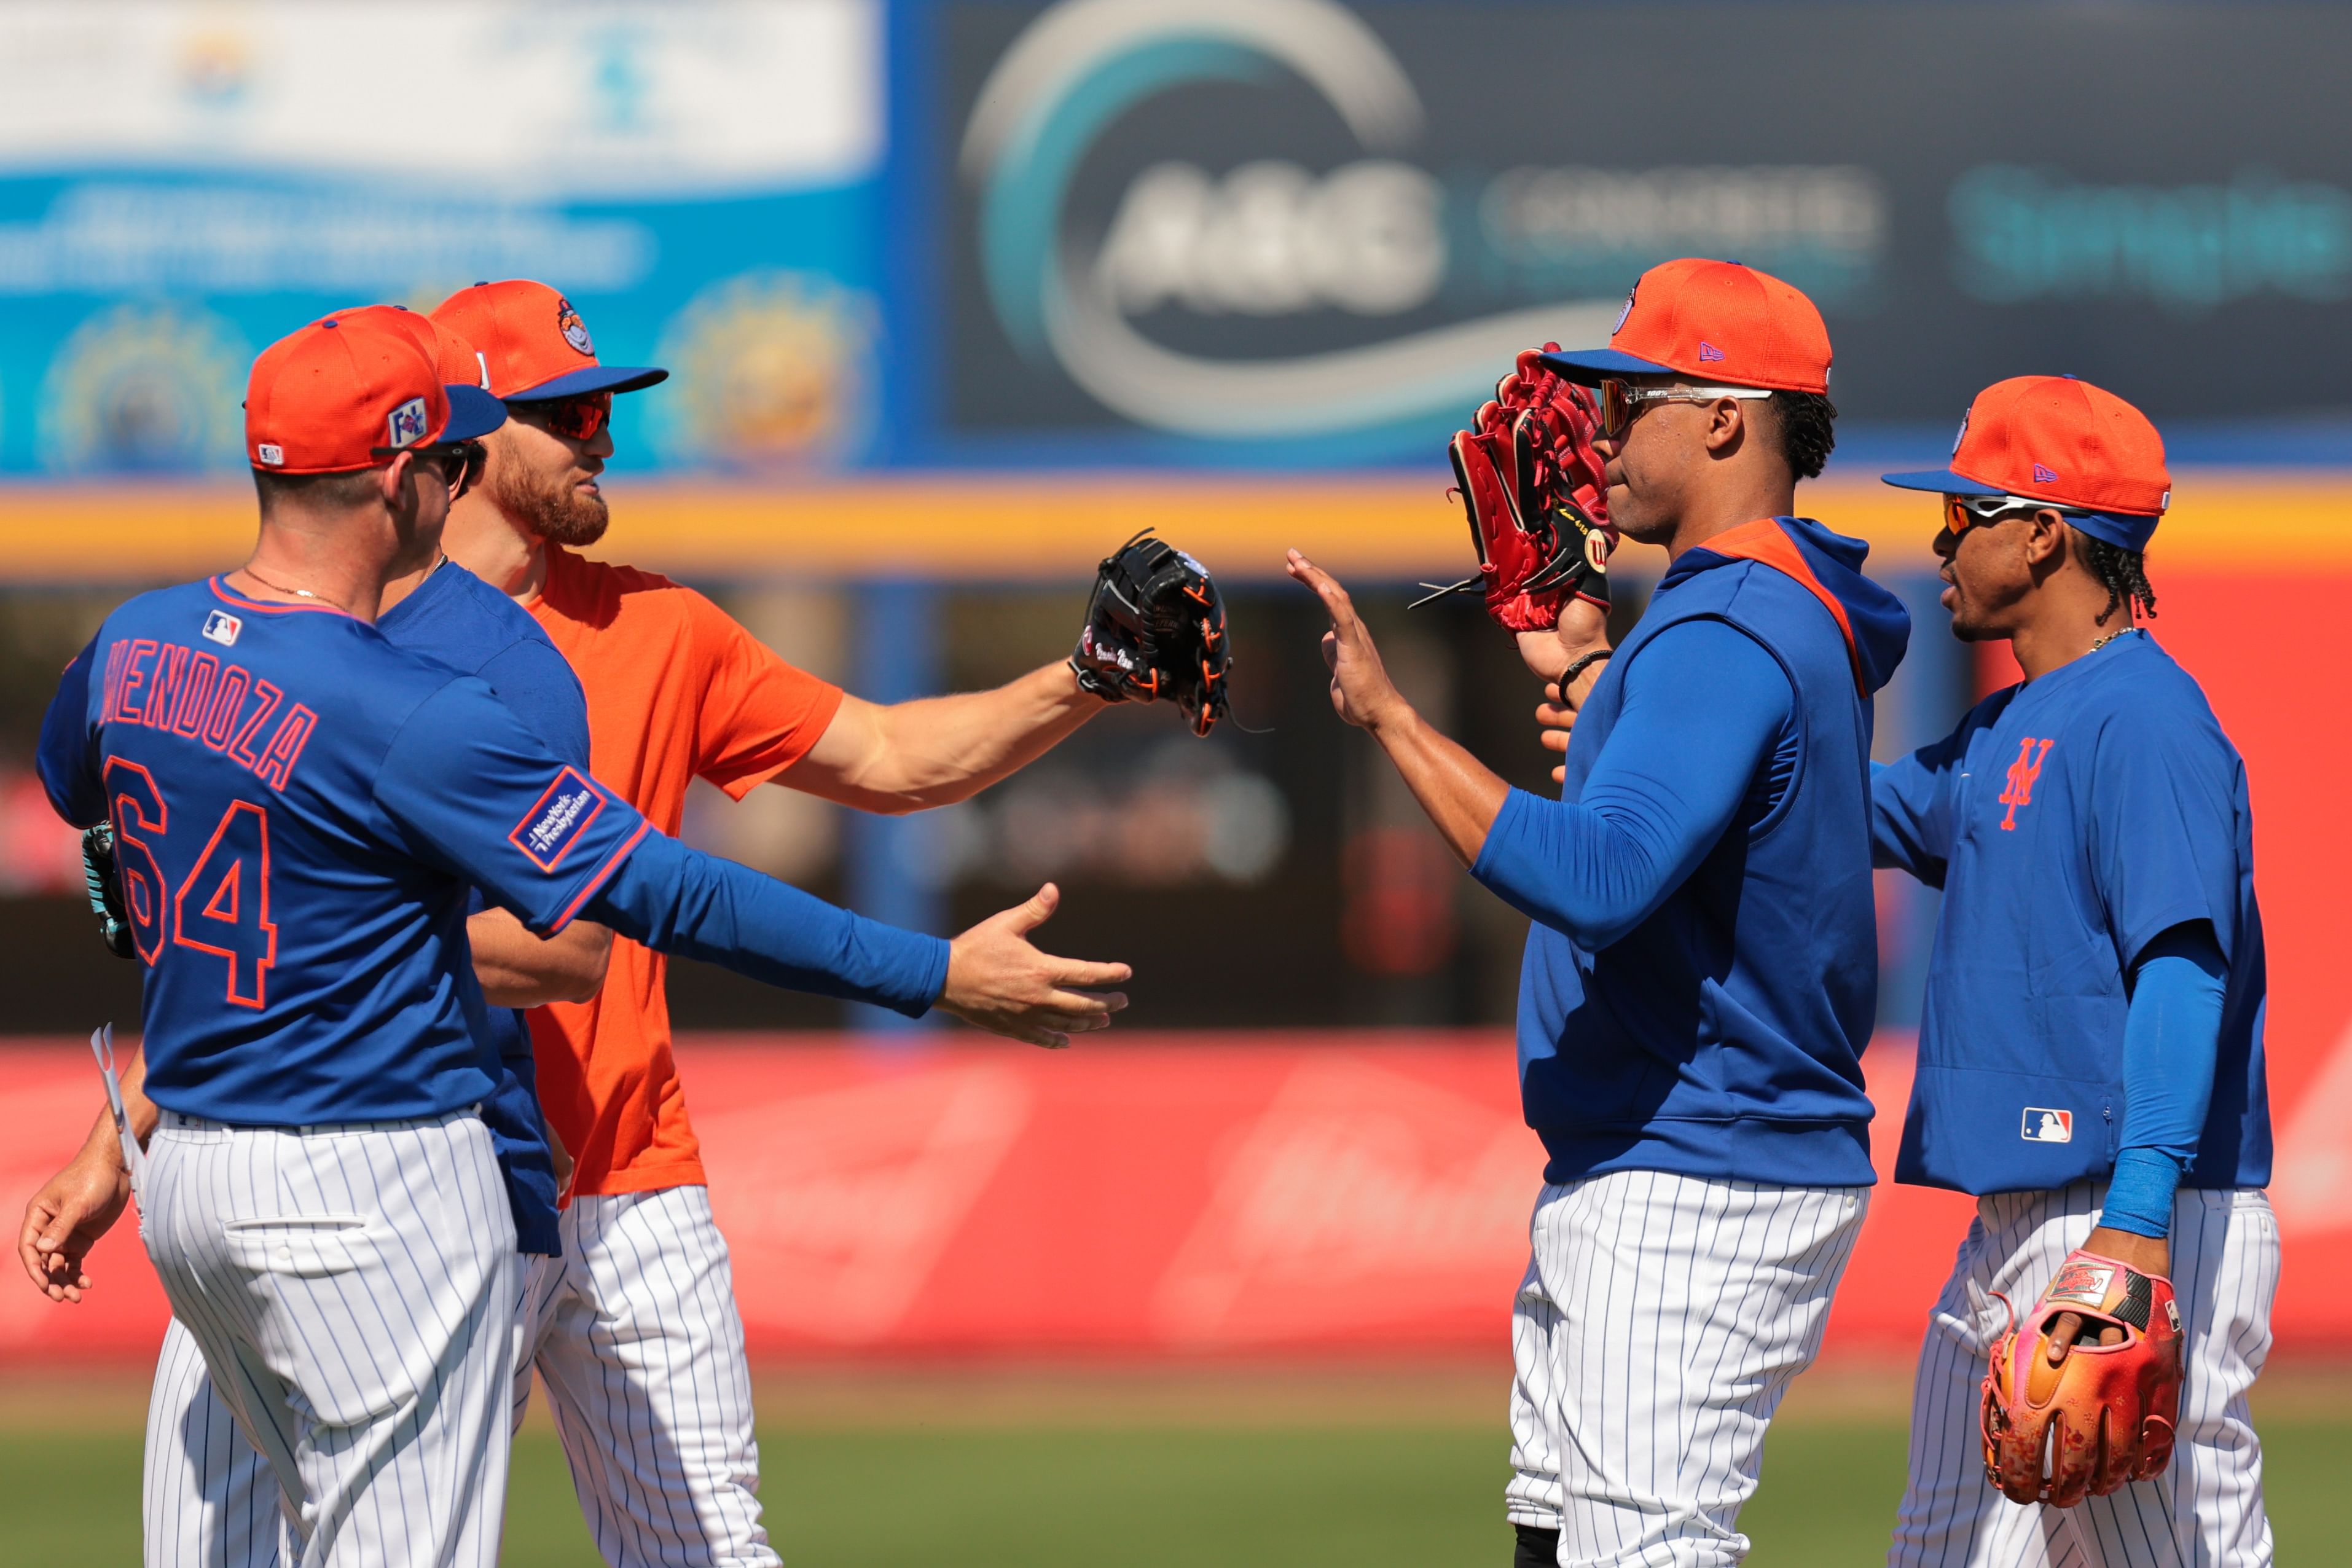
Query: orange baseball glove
pixel 2103 1413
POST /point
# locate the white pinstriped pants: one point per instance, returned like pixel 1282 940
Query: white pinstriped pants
pixel 1661 1320
pixel 636 1334
pixel 2206 1509
pixel 635 1330
pixel 351 1293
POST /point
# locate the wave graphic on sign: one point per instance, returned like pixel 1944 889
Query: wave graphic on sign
pixel 1084 63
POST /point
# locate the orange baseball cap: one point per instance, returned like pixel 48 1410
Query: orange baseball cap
pixel 459 362
pixel 338 394
pixel 2056 441
pixel 1713 321
pixel 534 347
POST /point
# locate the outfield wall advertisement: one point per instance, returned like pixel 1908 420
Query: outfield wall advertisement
pixel 180 185
pixel 1237 230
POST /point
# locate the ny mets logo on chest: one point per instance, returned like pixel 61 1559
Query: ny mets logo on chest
pixel 2021 774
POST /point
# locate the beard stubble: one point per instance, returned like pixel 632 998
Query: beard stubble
pixel 550 507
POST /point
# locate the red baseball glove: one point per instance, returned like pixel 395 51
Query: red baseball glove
pixel 2104 1414
pixel 1531 482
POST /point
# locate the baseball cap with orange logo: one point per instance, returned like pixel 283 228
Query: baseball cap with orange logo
pixel 340 395
pixel 534 347
pixel 2056 441
pixel 1714 321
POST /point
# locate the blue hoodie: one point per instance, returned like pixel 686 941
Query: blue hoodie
pixel 1702 976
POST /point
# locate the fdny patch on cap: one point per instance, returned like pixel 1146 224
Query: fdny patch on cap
pixel 406 425
pixel 547 833
pixel 574 330
pixel 2045 1125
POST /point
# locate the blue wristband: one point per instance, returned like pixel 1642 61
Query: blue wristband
pixel 2139 1199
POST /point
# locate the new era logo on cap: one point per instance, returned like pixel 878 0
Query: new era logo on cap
pixel 1707 351
pixel 2042 476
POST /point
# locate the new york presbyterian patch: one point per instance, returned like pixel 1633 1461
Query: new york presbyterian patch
pixel 554 826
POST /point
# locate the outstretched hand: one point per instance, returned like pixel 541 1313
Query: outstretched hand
pixel 65 1220
pixel 1362 691
pixel 1000 981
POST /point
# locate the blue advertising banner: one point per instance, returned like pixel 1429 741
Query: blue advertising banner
pixel 1236 232
pixel 181 186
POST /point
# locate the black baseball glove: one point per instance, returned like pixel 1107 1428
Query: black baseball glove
pixel 1156 631
pixel 104 884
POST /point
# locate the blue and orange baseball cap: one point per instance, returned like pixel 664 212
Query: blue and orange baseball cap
pixel 2056 441
pixel 1713 321
pixel 533 345
pixel 333 396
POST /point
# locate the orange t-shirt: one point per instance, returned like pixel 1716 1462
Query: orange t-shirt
pixel 676 691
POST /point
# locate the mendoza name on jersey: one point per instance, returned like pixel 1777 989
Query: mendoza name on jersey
pixel 168 686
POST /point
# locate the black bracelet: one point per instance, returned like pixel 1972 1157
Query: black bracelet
pixel 1567 676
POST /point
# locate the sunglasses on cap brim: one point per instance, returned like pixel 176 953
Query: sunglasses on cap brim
pixel 1622 402
pixel 1963 513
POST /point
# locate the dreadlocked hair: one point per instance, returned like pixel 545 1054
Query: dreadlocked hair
pixel 2122 573
pixel 1808 423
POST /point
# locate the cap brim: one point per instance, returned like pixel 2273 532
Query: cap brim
pixel 1585 366
pixel 591 378
pixel 472 413
pixel 1943 481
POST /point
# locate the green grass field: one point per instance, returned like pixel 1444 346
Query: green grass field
pixel 864 1481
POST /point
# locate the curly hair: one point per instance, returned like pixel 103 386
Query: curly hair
pixel 2122 572
pixel 1807 422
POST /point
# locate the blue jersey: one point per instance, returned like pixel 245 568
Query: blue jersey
pixel 302 810
pixel 456 619
pixel 1721 1037
pixel 2070 821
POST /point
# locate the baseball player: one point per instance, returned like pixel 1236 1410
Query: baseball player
pixel 633 1329
pixel 207 1495
pixel 2091 1052
pixel 301 812
pixel 1701 976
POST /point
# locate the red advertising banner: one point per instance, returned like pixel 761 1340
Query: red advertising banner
pixel 1146 1196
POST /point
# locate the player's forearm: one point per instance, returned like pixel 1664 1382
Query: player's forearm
pixel 936 751
pixel 1461 793
pixel 679 901
pixel 2171 1044
pixel 519 970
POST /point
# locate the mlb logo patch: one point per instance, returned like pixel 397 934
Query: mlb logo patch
pixel 405 426
pixel 2045 1125
pixel 269 452
pixel 1707 351
pixel 547 833
pixel 222 628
